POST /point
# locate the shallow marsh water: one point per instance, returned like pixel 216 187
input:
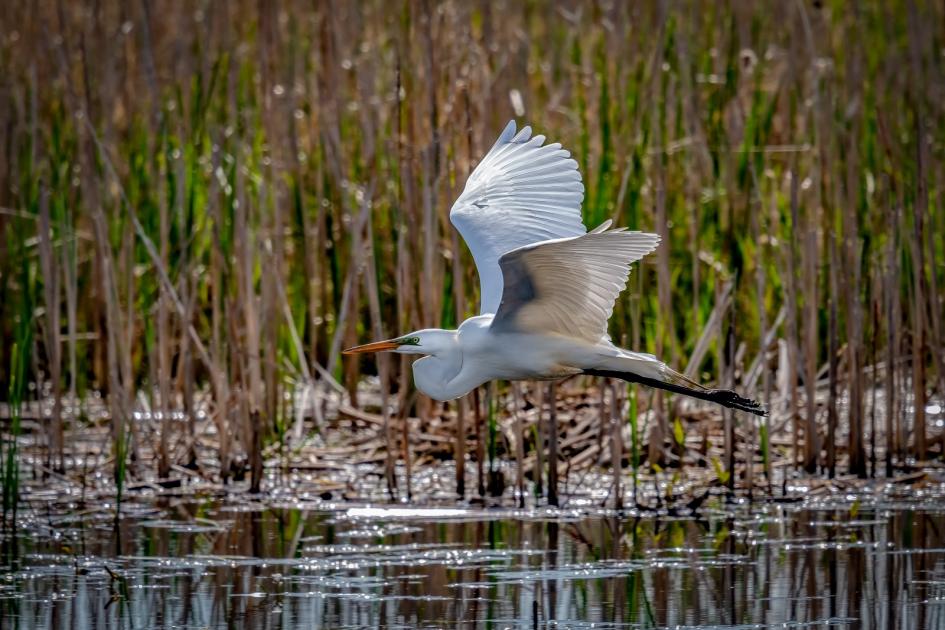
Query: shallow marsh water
pixel 845 561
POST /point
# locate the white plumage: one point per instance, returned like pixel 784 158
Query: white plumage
pixel 521 193
pixel 569 286
pixel 547 286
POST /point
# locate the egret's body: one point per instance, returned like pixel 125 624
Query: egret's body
pixel 547 285
pixel 474 354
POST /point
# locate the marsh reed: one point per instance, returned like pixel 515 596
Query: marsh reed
pixel 202 203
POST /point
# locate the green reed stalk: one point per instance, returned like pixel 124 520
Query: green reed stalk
pixel 120 449
pixel 9 462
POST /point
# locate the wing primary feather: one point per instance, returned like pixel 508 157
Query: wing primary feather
pixel 522 192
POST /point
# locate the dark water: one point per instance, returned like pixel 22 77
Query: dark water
pixel 210 565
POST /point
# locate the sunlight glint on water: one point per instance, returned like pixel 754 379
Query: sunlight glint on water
pixel 199 566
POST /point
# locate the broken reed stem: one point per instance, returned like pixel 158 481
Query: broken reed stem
pixel 632 418
pixel 874 381
pixel 51 275
pixel 917 244
pixel 728 415
pixel 552 445
pixel 480 445
pixel 519 445
pixel 890 293
pixel 405 452
pixel 809 260
pixel 541 441
pixel 834 360
pixel 616 438
pixel 164 344
pixel 459 448
pixel 383 362
pixel 792 305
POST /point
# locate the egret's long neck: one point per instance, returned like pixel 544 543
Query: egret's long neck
pixel 436 376
pixel 442 374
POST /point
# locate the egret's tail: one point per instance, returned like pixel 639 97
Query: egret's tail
pixel 648 370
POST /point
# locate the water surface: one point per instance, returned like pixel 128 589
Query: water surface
pixel 844 562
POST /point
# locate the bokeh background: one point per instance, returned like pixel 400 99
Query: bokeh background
pixel 202 203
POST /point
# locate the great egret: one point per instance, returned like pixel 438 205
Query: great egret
pixel 548 286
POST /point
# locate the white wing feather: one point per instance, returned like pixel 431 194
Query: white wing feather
pixel 521 193
pixel 568 286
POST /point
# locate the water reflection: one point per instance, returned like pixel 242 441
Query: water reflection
pixel 200 565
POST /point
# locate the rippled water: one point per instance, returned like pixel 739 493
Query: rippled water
pixel 840 563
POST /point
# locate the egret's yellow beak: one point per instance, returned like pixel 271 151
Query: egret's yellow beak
pixel 377 346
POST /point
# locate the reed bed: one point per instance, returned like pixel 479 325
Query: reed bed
pixel 202 203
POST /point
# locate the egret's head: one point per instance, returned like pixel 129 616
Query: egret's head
pixel 428 341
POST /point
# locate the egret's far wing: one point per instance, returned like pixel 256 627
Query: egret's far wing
pixel 520 193
pixel 568 286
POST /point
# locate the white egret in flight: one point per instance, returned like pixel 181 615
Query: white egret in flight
pixel 548 286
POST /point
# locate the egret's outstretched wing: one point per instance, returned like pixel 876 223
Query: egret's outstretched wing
pixel 568 286
pixel 521 193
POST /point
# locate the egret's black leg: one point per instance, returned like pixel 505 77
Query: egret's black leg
pixel 724 397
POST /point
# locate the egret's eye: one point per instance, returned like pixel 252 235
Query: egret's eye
pixel 410 341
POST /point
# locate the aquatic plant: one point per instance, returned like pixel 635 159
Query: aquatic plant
pixel 16 395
